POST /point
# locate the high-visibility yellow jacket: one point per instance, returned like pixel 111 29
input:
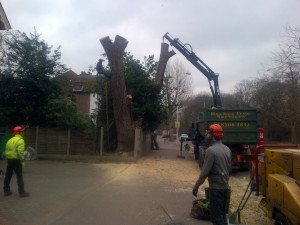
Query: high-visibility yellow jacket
pixel 15 148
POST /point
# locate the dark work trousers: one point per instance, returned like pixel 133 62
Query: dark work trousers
pixel 14 165
pixel 218 201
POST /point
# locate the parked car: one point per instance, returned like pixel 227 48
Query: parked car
pixel 184 136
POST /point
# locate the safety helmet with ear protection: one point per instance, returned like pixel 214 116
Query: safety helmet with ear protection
pixel 18 129
pixel 216 130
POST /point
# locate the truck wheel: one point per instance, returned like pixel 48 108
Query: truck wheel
pixel 280 219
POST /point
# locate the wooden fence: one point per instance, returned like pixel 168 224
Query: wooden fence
pixel 60 141
pixel 50 142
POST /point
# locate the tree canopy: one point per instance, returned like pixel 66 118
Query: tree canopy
pixel 143 98
pixel 145 105
pixel 146 98
pixel 27 64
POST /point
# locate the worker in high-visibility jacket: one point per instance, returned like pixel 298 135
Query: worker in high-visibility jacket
pixel 14 154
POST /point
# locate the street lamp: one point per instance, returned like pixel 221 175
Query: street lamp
pixel 177 125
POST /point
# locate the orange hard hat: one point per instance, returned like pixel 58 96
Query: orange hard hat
pixel 19 129
pixel 216 130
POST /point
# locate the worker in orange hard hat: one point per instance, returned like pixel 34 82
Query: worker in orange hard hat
pixel 216 167
pixel 14 153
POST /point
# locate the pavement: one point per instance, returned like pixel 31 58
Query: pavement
pixel 155 190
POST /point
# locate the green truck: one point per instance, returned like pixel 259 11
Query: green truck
pixel 241 133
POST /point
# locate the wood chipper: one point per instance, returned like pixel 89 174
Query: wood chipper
pixel 278 181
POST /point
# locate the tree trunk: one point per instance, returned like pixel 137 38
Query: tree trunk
pixel 162 63
pixel 121 108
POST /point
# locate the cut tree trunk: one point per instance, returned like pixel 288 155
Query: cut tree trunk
pixel 165 55
pixel 124 124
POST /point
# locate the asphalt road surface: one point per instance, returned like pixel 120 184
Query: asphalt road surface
pixel 156 190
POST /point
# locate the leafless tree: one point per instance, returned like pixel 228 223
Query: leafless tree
pixel 287 70
pixel 193 106
pixel 177 85
pixel 243 93
pixel 287 59
pixel 277 92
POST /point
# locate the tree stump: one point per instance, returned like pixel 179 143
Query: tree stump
pixel 164 57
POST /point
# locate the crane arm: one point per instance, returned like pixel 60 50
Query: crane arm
pixel 200 65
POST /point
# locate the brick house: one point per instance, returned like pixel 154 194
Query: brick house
pixel 82 90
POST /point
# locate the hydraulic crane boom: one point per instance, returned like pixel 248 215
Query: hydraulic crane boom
pixel 200 65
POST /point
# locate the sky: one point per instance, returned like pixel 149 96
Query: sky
pixel 235 38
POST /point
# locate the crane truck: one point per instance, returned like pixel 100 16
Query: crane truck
pixel 241 131
pixel 277 179
pixel 200 65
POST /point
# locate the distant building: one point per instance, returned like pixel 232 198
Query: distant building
pixel 4 23
pixel 81 89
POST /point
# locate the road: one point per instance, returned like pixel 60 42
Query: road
pixel 156 190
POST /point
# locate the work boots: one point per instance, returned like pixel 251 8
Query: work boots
pixel 24 195
pixel 7 193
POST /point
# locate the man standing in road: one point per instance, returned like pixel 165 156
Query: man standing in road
pixel 216 167
pixel 14 154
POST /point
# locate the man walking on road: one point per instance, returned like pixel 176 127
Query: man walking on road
pixel 216 167
pixel 14 154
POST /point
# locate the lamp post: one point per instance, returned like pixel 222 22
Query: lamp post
pixel 177 123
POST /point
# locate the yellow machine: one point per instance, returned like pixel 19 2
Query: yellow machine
pixel 279 182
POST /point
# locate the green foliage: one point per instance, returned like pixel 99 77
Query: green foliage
pixel 27 64
pixel 61 112
pixel 89 88
pixel 150 66
pixel 145 94
pixel 146 98
pixel 32 58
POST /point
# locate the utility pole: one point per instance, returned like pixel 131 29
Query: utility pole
pixel 177 125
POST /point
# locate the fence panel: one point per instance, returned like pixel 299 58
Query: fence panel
pixel 81 144
pixel 59 141
pixel 52 141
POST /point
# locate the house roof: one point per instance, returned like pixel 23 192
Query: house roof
pixel 4 19
pixel 80 83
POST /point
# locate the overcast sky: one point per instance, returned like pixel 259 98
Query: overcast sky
pixel 235 38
